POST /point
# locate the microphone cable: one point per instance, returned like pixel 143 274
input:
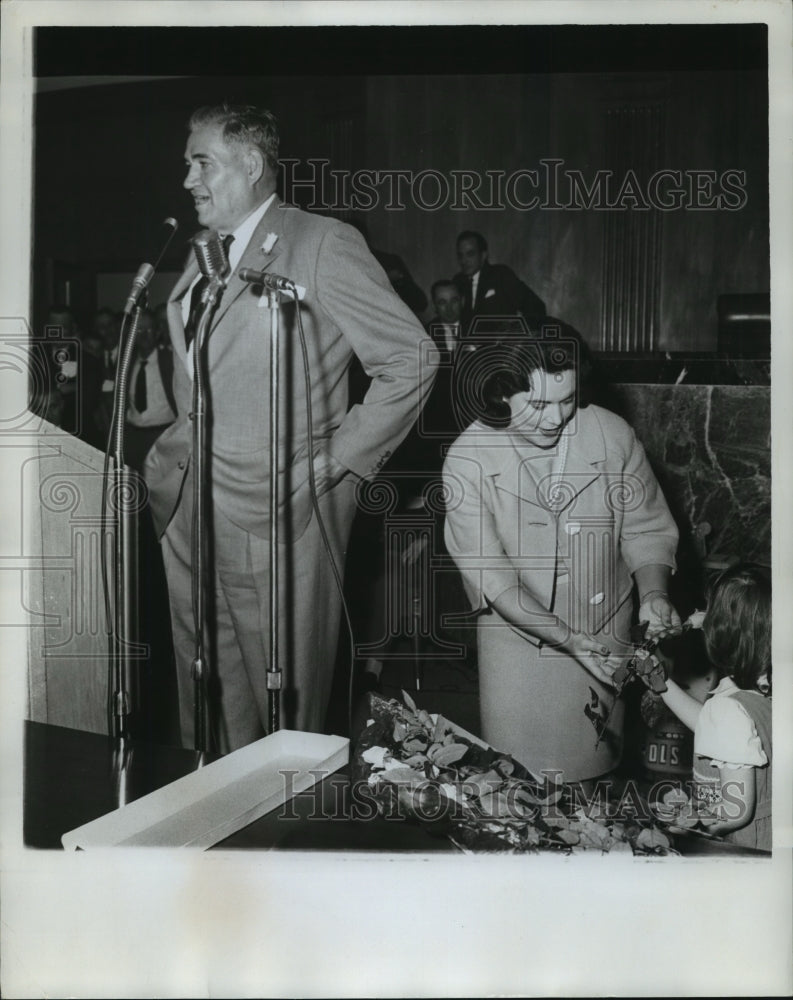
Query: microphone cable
pixel 315 505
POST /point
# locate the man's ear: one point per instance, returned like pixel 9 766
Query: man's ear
pixel 255 165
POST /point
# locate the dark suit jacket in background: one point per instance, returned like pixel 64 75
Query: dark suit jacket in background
pixel 499 292
pixel 402 280
pixel 138 441
pixel 417 463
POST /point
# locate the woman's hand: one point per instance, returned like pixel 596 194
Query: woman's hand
pixel 658 611
pixel 593 656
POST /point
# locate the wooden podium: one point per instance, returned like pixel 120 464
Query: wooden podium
pixel 69 636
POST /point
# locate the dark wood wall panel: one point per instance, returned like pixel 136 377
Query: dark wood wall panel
pixel 109 169
pixel 635 279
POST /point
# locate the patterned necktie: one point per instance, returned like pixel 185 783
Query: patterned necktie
pixel 195 297
pixel 140 387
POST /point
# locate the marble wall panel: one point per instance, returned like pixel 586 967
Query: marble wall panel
pixel 710 447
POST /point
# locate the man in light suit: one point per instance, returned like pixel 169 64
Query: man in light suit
pixel 346 305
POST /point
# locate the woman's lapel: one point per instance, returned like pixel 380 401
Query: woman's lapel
pixel 519 472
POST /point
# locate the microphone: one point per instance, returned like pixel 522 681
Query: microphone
pixel 139 283
pixel 146 271
pixel 272 282
pixel 212 261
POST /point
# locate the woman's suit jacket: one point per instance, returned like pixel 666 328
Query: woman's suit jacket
pixel 611 518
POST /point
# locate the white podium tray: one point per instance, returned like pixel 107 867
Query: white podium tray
pixel 219 799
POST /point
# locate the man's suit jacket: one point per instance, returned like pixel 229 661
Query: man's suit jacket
pixel 347 305
pixel 419 458
pixel 437 330
pixel 165 364
pixel 499 292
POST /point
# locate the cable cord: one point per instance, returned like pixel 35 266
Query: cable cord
pixel 315 504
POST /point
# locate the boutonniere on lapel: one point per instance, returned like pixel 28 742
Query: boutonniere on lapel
pixel 269 242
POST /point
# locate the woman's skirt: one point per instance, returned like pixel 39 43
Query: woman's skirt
pixel 542 707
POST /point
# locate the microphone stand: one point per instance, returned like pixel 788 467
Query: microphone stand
pixel 200 667
pixel 122 507
pixel 274 676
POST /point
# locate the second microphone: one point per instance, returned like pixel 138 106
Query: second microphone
pixel 272 282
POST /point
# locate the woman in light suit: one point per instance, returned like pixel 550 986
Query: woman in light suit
pixel 554 515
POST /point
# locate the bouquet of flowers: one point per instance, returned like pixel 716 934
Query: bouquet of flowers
pixel 422 767
pixel 645 666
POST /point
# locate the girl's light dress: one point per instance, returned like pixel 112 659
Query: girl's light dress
pixel 734 730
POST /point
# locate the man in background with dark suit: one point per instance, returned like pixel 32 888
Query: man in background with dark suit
pixel 152 406
pixel 347 305
pixel 491 290
pixel 444 327
pixel 78 378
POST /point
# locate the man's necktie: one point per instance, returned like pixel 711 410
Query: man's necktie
pixel 140 388
pixel 470 293
pixel 195 297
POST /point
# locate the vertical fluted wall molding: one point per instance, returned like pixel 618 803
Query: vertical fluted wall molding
pixel 629 320
pixel 338 137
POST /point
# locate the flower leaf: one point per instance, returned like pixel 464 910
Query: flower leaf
pixel 567 836
pixel 440 729
pixel 403 776
pixel 651 839
pixel 409 702
pixel 446 755
pixel 482 784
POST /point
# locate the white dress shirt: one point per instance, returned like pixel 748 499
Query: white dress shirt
pixel 451 336
pixel 474 286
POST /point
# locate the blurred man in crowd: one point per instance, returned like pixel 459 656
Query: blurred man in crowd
pixel 151 406
pixel 492 291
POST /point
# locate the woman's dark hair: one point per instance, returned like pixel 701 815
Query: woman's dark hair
pixel 493 372
pixel 737 626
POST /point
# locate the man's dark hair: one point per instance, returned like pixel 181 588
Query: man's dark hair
pixel 60 309
pixel 469 234
pixel 494 372
pixel 442 283
pixel 244 124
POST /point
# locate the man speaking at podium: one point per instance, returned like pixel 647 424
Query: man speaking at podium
pixel 347 305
